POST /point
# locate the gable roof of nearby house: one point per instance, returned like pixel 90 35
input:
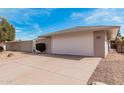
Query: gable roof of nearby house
pixel 112 30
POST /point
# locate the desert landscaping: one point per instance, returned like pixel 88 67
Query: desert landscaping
pixel 110 70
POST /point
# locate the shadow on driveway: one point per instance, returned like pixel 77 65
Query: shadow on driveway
pixel 62 56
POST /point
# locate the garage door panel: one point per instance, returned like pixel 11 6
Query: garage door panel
pixel 74 43
pixel 72 52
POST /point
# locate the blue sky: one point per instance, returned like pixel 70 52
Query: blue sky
pixel 33 22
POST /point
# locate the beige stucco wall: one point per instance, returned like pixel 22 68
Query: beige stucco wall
pixel 41 40
pixel 48 45
pixel 80 43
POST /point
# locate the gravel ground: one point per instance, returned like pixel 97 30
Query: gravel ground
pixel 110 70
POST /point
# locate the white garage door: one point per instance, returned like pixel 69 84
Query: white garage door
pixel 80 43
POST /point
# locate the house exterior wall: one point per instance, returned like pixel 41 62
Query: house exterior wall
pixel 41 40
pixel 48 44
pixel 106 44
pixel 80 43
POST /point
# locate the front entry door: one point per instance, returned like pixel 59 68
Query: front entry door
pixel 99 43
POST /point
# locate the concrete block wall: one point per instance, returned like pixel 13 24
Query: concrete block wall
pixel 25 46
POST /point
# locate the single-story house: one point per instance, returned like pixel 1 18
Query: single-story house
pixel 82 40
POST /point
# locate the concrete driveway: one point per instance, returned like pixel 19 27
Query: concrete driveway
pixel 47 69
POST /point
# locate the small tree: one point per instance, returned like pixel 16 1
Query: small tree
pixel 7 31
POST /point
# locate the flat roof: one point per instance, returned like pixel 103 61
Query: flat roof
pixel 111 31
pixel 86 28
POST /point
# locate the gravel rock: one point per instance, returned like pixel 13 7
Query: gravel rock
pixel 110 70
pixel 10 55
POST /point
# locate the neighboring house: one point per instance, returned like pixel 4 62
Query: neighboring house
pixel 85 41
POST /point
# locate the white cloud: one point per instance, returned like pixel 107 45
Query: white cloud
pixel 77 15
pixel 105 15
pixel 37 27
pixel 18 30
pixel 118 19
pixel 97 13
pixel 101 16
